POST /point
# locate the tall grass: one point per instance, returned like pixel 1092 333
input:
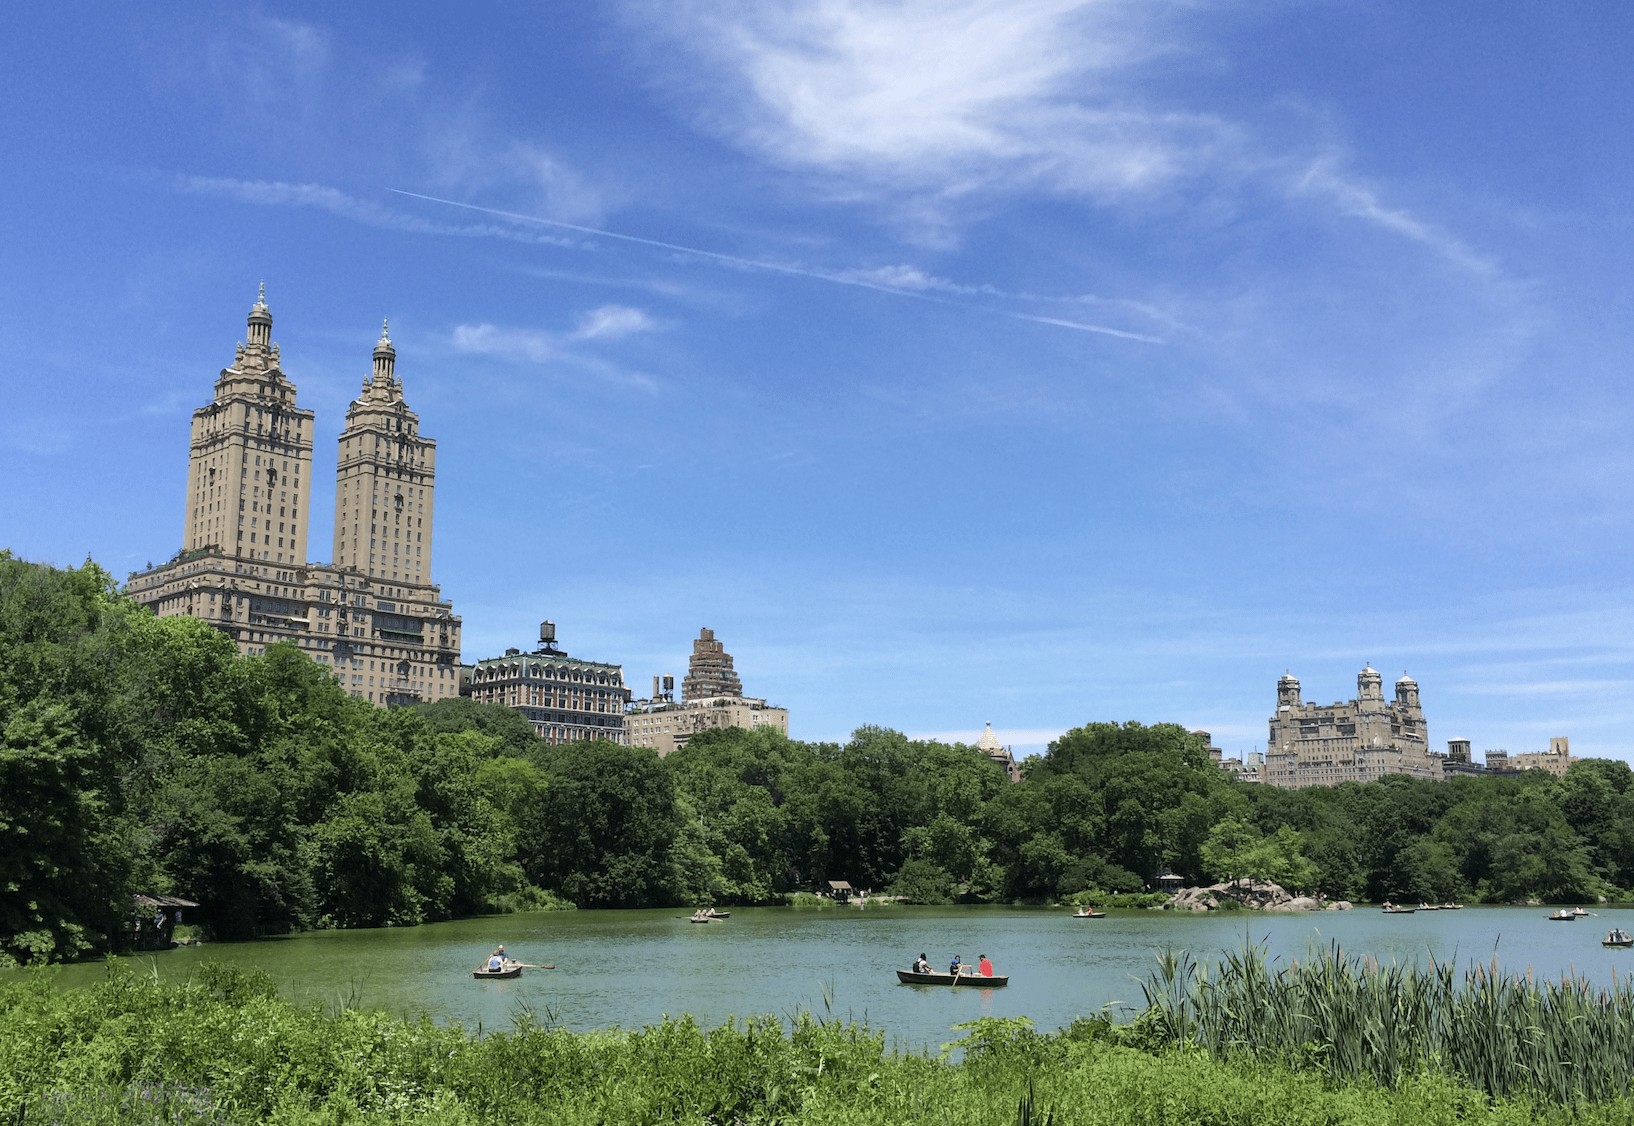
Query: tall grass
pixel 1353 1019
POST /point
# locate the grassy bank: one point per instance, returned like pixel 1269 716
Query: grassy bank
pixel 225 1049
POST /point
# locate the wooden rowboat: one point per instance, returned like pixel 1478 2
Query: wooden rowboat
pixel 511 969
pixel 1618 938
pixel 1089 915
pixel 908 977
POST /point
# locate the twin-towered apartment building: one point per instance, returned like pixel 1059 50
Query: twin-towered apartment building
pixel 373 615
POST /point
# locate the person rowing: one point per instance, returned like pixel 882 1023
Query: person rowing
pixel 496 960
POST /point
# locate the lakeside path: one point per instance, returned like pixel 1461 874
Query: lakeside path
pixel 631 968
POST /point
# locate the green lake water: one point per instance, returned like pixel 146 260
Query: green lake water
pixel 631 968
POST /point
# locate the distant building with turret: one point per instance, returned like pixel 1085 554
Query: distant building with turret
pixel 990 746
pixel 1361 740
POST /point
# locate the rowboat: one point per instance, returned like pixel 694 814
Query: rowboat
pixel 1617 937
pixel 509 970
pixel 1089 914
pixel 1564 915
pixel 908 977
pixel 714 914
pixel 1399 910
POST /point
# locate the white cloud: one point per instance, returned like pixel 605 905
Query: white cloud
pixel 509 343
pixel 545 346
pixel 613 321
pixel 946 97
pixel 906 277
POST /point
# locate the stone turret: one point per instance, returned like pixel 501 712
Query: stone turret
pixel 1288 691
pixel 1370 689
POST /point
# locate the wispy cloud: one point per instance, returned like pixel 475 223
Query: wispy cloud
pixel 321 197
pixel 1324 177
pixel 545 346
pixel 611 322
pixel 920 286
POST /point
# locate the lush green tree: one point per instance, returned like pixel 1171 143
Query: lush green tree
pixel 604 828
pixel 460 713
pixel 1227 848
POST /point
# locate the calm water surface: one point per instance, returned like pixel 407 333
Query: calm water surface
pixel 631 968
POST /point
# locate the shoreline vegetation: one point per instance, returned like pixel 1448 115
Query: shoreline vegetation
pixel 146 756
pixel 1333 1040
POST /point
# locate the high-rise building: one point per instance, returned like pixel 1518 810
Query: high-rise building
pixel 373 616
pixel 385 480
pixel 710 672
pixel 711 696
pixel 251 444
pixel 1358 741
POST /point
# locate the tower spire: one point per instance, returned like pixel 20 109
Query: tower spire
pixel 259 332
pixel 385 358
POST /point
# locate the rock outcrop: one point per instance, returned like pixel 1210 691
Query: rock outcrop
pixel 1254 895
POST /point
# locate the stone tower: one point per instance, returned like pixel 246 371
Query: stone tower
pixel 710 673
pixel 1287 691
pixel 249 468
pixel 385 479
pixel 1369 690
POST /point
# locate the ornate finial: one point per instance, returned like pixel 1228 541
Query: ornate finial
pixel 385 325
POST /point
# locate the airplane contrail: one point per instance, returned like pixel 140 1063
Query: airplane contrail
pixel 779 268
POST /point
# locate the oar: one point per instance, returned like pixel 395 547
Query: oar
pixel 534 965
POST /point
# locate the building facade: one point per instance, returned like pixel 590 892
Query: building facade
pixel 373 617
pixel 711 696
pixel 1356 741
pixel 1556 760
pixel 566 699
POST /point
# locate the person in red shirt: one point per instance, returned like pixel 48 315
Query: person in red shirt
pixel 984 967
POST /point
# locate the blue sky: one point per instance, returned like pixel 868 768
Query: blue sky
pixel 956 361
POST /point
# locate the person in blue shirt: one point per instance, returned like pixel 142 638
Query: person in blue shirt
pixel 956 966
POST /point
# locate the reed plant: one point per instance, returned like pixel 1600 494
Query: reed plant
pixel 1356 1020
